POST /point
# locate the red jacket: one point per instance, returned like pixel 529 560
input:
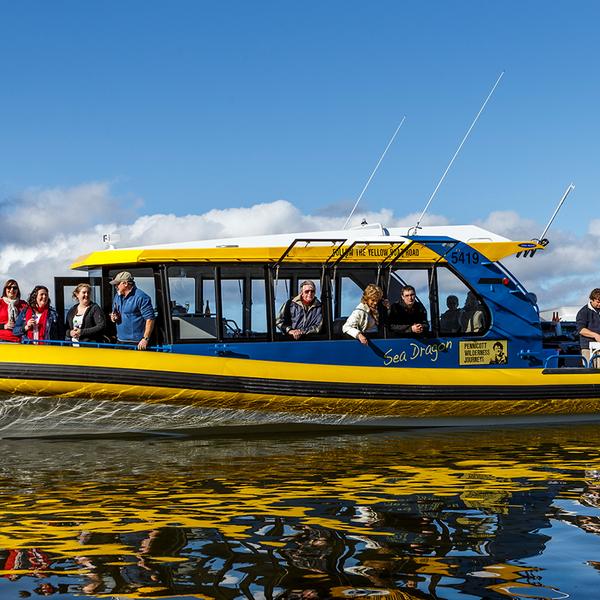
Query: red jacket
pixel 6 335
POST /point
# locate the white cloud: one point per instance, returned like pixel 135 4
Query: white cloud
pixel 594 227
pixel 38 215
pixel 44 230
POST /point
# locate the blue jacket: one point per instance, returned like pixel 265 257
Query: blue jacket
pixel 51 332
pixel 590 319
pixel 135 309
pixel 296 315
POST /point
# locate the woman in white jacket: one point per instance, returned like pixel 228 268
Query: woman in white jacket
pixel 365 317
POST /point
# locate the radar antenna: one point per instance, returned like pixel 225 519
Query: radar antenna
pixel 437 187
pixel 373 172
pixel 569 189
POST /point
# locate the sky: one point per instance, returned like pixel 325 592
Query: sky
pixel 168 121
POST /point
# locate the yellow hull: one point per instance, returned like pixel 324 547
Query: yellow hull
pixel 269 391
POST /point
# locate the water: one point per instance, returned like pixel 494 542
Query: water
pixel 403 515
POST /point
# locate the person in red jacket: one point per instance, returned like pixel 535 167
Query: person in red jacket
pixel 39 320
pixel 10 307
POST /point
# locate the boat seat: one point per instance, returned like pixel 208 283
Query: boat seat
pixel 336 329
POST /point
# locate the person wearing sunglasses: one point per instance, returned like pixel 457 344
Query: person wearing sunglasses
pixel 10 307
pixel 302 315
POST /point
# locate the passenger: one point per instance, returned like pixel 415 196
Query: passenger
pixel 85 320
pixel 588 323
pixel 499 357
pixel 10 307
pixel 408 316
pixel 365 318
pixel 450 320
pixel 39 320
pixel 472 319
pixel 302 315
pixel 132 312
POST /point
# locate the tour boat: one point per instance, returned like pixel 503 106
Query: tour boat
pixel 217 359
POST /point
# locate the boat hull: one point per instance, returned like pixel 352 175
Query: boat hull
pixel 232 392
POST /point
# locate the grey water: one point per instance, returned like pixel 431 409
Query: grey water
pixel 454 513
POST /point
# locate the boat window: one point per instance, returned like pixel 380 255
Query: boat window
pixel 287 286
pixel 283 292
pixel 243 303
pixel 351 293
pixel 192 302
pixel 232 306
pixel 461 310
pixel 347 290
pixel 258 308
pixel 418 278
pixel 68 300
pixel 284 289
pixel 144 280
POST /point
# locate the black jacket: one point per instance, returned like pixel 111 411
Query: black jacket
pixel 401 319
pixel 589 318
pixel 94 324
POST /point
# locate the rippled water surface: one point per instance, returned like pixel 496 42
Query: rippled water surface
pixel 404 515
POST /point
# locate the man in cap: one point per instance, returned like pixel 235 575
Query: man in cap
pixel 301 315
pixel 132 312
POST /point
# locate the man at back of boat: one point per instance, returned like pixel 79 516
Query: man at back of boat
pixel 450 320
pixel 408 317
pixel 302 315
pixel 588 323
pixel 132 312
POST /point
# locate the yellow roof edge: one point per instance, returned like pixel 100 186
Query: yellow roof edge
pixel 496 251
pixel 367 253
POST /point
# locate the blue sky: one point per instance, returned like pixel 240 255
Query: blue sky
pixel 184 107
pixel 189 106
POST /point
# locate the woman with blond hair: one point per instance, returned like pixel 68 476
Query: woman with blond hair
pixel 365 318
pixel 85 321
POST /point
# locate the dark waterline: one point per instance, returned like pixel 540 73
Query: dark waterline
pixel 413 514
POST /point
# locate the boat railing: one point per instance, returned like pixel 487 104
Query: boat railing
pixel 561 357
pixel 107 345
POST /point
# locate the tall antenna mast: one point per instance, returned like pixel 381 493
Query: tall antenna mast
pixel 437 187
pixel 373 172
pixel 569 189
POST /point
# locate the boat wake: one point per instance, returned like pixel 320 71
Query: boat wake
pixel 42 416
pixel 35 416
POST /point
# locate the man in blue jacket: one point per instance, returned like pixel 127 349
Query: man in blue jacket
pixel 132 312
pixel 588 323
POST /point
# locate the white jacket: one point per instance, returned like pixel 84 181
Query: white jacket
pixel 360 321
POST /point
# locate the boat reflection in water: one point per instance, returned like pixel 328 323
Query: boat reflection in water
pixel 419 514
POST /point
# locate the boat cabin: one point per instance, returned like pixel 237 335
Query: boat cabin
pixel 222 297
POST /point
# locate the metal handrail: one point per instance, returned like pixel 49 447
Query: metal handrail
pixel 107 345
pixel 586 364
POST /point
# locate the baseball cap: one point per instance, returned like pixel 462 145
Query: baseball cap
pixel 122 276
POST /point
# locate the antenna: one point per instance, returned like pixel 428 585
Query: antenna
pixel 373 172
pixel 569 189
pixel 437 187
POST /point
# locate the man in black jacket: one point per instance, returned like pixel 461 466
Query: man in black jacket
pixel 588 323
pixel 408 317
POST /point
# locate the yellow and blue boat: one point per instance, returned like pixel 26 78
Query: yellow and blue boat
pixel 219 361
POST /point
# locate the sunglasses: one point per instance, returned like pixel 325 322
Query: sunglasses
pixel 12 287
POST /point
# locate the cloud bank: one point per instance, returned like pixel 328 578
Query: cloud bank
pixel 45 229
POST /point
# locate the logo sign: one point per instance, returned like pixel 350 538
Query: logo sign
pixel 483 352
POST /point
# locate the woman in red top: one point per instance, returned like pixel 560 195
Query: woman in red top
pixel 39 320
pixel 10 307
